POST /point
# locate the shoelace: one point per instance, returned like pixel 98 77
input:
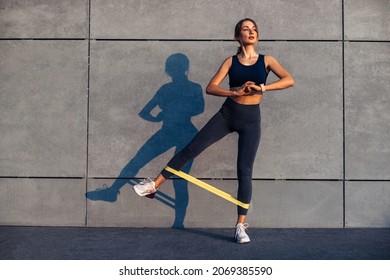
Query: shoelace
pixel 148 181
pixel 241 228
pixel 145 181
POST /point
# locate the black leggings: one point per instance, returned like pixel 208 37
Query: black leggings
pixel 232 117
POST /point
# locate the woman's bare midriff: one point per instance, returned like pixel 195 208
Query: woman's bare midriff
pixel 248 100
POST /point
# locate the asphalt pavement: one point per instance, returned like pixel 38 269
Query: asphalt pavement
pixel 84 243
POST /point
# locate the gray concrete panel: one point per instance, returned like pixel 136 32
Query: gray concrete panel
pixel 274 204
pixel 44 19
pixel 43 105
pixel 125 78
pixel 119 91
pixel 42 202
pixel 367 69
pixel 128 209
pixel 367 20
pixel 202 19
pixel 297 204
pixel 367 204
pixel 177 204
pixel 302 126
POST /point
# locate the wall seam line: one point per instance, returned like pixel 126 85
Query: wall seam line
pixel 343 94
pixel 88 93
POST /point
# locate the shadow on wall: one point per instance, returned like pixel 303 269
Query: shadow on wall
pixel 178 101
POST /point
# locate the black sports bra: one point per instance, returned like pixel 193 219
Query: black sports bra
pixel 239 73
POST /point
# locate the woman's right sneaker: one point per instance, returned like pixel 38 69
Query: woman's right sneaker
pixel 146 188
pixel 240 235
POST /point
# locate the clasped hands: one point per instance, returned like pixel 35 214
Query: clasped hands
pixel 248 88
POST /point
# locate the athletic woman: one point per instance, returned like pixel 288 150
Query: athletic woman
pixel 247 71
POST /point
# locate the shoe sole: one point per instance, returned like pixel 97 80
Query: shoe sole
pixel 243 242
pixel 148 195
pixel 151 196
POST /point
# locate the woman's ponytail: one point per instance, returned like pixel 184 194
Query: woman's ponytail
pixel 238 50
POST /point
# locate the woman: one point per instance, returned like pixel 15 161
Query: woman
pixel 247 71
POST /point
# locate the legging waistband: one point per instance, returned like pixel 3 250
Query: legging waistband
pixel 233 110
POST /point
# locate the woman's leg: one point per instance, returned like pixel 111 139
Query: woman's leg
pixel 213 131
pixel 248 143
pixel 159 181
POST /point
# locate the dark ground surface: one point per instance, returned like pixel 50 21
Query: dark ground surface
pixel 69 243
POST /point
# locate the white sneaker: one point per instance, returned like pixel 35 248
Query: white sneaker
pixel 145 188
pixel 240 235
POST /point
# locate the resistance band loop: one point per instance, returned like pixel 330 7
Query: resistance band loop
pixel 207 187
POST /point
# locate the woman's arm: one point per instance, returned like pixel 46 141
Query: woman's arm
pixel 213 87
pixel 285 79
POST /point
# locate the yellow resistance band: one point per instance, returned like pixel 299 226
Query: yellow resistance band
pixel 207 187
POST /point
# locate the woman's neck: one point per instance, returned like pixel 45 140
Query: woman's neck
pixel 248 52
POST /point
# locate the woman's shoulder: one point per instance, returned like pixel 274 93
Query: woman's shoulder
pixel 228 61
pixel 230 58
pixel 266 56
pixel 268 59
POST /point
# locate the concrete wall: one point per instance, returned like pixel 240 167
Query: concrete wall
pixel 76 75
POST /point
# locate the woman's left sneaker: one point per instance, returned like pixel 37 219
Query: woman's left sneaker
pixel 145 188
pixel 240 235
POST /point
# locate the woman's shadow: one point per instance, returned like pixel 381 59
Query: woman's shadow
pixel 177 102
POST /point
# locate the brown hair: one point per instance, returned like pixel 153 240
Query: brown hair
pixel 237 30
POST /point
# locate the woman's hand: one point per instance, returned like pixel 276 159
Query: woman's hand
pixel 252 87
pixel 245 89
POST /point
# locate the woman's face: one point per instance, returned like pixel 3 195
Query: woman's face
pixel 249 33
